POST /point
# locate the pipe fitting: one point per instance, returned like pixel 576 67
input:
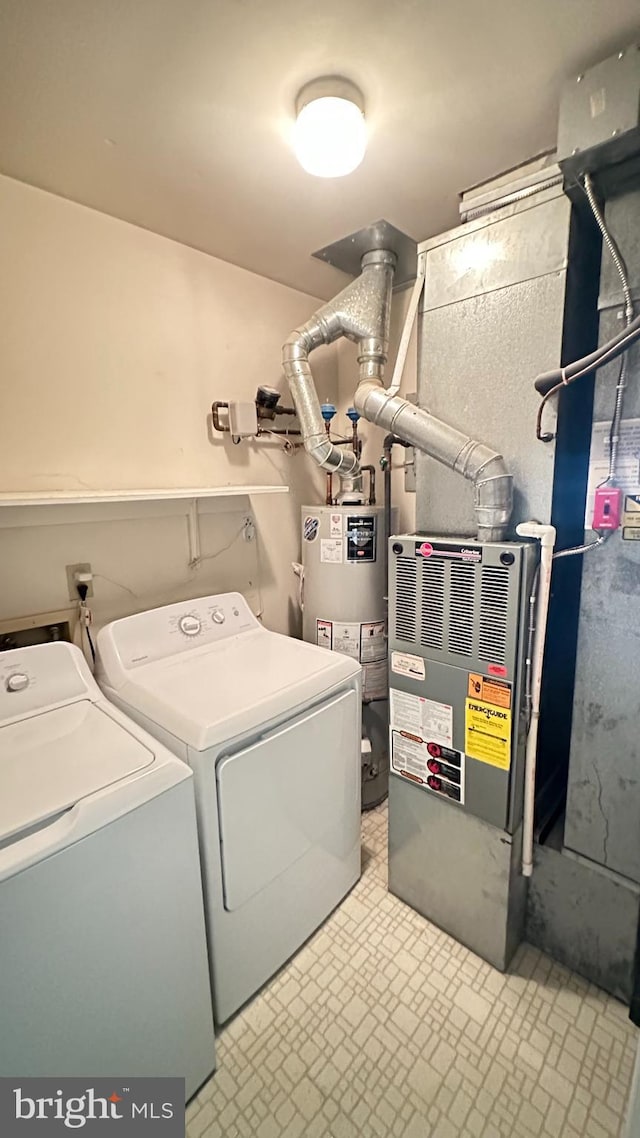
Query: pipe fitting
pixel 361 312
pixel 493 499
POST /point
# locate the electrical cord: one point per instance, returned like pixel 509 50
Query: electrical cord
pixel 118 584
pixel 91 644
pixel 621 269
pixel 86 616
pixel 579 368
pixel 218 552
pixel 611 350
pixel 588 545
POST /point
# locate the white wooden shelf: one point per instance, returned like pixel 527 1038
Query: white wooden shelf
pixel 91 497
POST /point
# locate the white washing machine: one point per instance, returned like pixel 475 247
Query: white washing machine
pixel 103 955
pixel 271 727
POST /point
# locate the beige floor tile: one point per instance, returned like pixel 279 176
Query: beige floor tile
pixel 385 1027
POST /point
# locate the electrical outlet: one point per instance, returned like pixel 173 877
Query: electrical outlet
pixel 72 581
pixel 248 528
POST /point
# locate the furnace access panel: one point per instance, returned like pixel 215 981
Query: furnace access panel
pixel 458 614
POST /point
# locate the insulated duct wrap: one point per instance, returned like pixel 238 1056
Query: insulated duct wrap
pixel 361 312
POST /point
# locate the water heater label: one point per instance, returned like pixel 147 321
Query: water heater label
pixel 375 682
pixel 425 719
pixel 346 639
pixel 373 642
pixel 324 634
pixel 335 525
pixel 331 550
pixel 404 664
pixel 488 733
pixel 310 527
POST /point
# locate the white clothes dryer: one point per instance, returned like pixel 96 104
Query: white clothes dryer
pixel 103 955
pixel 271 727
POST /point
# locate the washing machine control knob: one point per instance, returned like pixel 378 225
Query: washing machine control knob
pixel 190 625
pixel 218 616
pixel 17 682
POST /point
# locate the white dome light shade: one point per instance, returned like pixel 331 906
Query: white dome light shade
pixel 330 134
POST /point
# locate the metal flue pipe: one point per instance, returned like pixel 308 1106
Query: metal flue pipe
pixel 473 460
pixel 361 312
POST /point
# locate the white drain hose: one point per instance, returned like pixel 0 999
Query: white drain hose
pixel 546 535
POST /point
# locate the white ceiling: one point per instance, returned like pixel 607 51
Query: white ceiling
pixel 174 114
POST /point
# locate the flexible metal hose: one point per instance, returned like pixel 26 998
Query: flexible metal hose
pixel 614 437
pixel 511 199
pixel 602 537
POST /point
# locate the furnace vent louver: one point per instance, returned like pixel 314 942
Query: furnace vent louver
pixel 461 605
pixel 432 620
pixel 494 612
pixel 462 611
pixel 406 598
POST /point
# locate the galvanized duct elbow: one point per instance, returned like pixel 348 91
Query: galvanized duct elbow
pixel 484 467
pixel 361 312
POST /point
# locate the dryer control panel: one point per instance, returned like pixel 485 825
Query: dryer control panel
pixel 173 630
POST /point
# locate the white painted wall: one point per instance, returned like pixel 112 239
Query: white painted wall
pixel 115 342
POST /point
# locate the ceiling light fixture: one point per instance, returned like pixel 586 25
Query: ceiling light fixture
pixel 330 134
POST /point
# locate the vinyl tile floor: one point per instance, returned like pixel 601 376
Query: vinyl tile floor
pixel 383 1025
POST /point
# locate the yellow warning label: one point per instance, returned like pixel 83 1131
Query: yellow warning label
pixel 489 691
pixel 631 518
pixel 488 733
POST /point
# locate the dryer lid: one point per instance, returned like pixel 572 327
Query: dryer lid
pixel 50 761
pixel 219 691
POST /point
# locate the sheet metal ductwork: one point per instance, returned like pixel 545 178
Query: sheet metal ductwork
pixel 361 312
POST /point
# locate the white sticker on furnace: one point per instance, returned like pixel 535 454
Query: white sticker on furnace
pixel 331 550
pixel 335 525
pixel 434 766
pixel 404 664
pixel 424 718
pixel 346 639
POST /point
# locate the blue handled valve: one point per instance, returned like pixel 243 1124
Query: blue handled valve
pixel 328 411
pixel 352 414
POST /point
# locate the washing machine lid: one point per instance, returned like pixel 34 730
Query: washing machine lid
pixel 51 760
pixel 223 690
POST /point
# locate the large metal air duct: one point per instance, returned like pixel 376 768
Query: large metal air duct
pixel 361 313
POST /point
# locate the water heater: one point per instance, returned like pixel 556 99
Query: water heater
pixel 345 609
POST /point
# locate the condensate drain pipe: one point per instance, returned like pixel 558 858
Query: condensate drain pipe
pixel 361 312
pixel 546 535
